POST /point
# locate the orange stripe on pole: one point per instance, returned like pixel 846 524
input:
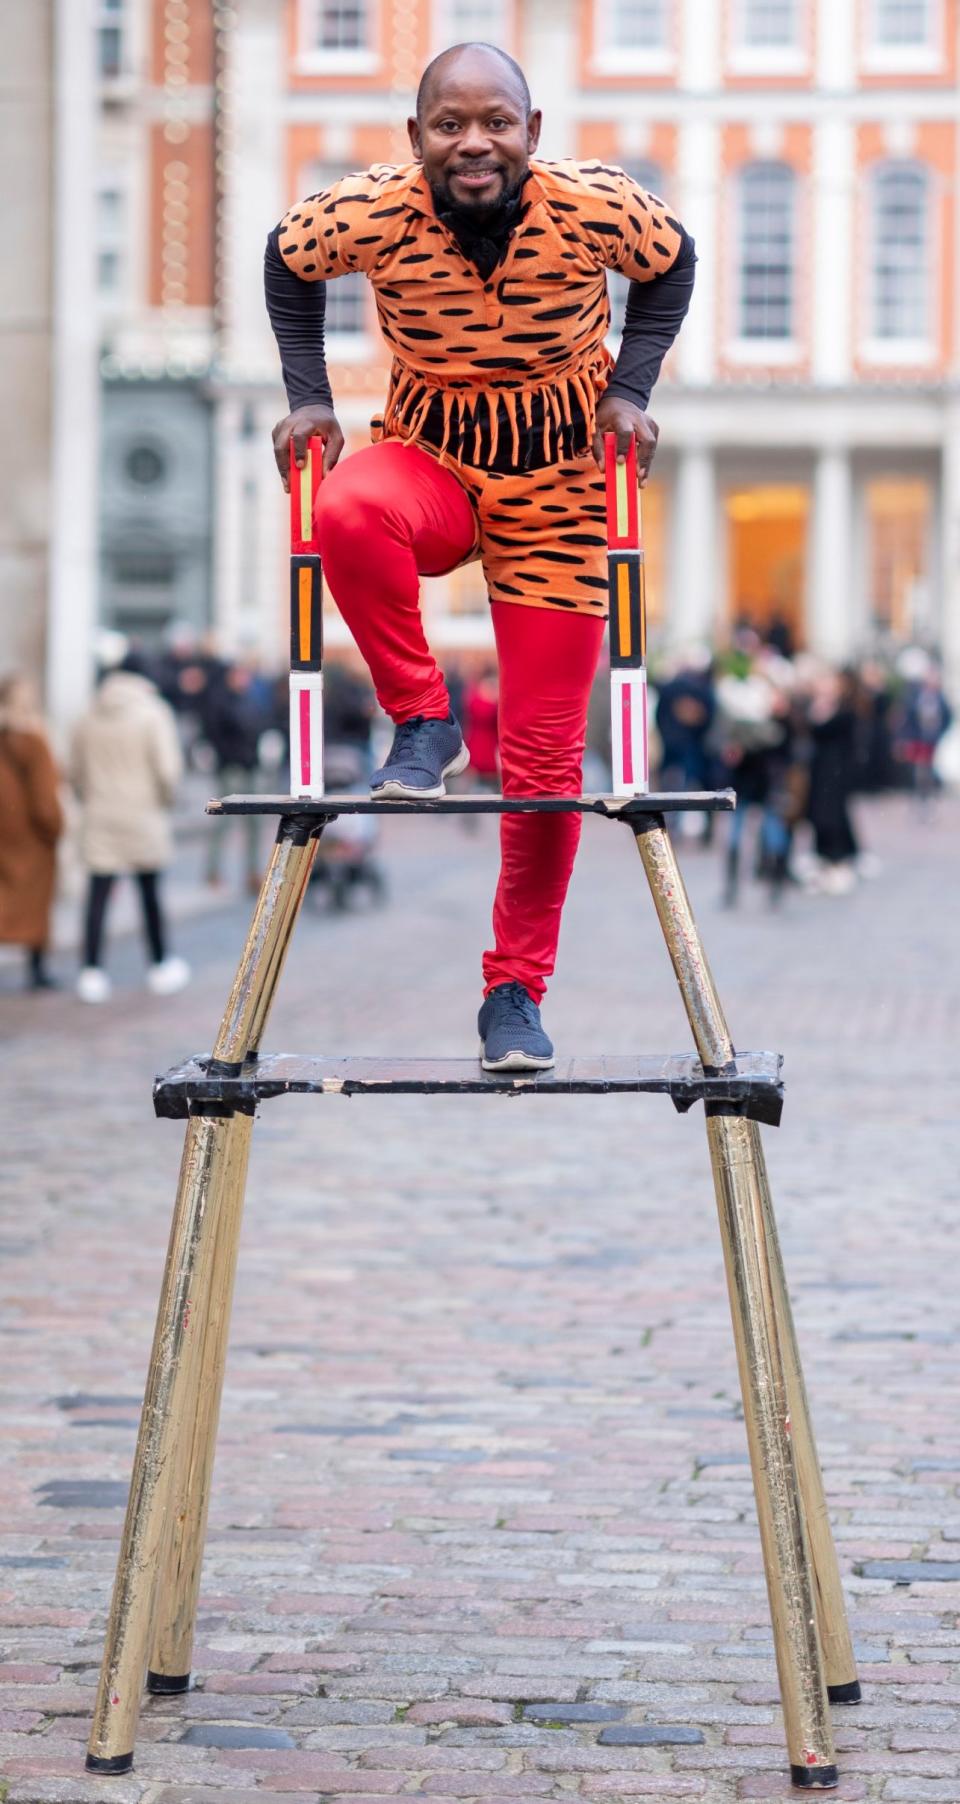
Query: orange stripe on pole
pixel 305 596
pixel 623 610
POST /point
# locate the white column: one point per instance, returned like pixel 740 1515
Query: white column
pixel 75 412
pixel 700 27
pixel 548 53
pixel 833 236
pixel 831 615
pixel 254 179
pixel 949 634
pixel 836 44
pixel 696 201
pixel 695 590
pixel 26 151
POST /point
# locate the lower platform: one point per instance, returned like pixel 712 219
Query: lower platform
pixel 752 1083
pixel 617 808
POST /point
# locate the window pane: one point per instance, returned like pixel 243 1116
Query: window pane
pixel 346 304
pixel 110 48
pixel 108 272
pixel 637 24
pixel 341 25
pixel 766 251
pixel 462 21
pixel 902 24
pixel 900 254
pixel 769 24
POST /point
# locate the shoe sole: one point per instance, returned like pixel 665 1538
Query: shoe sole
pixel 518 1061
pixel 401 792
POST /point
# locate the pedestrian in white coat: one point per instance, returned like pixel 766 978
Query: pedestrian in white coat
pixel 125 768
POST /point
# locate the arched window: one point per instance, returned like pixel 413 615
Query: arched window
pixel 766 298
pixel 900 221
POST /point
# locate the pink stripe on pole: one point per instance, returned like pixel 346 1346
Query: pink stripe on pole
pixel 626 733
pixel 305 736
pixel 646 749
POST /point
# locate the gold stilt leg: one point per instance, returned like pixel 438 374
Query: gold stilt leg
pixel 181 1405
pixel 164 1421
pixel 773 1396
pixel 176 1606
pixel 840 1666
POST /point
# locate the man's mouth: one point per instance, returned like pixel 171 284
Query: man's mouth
pixel 477 180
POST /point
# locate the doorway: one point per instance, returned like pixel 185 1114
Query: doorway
pixel 767 555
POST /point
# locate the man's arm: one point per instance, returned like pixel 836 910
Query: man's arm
pixel 655 312
pixel 297 310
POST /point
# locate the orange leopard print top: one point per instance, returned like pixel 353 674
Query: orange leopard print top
pixel 534 330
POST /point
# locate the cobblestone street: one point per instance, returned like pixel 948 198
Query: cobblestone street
pixel 482 1523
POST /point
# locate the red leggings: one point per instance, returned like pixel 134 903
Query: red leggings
pixel 387 516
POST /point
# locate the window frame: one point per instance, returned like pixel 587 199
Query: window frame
pixel 747 348
pixel 610 58
pixel 313 60
pixel 903 59
pixel 746 58
pixel 113 179
pixel 877 348
pixel 442 35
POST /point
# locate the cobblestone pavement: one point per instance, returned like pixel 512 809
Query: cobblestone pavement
pixel 482 1525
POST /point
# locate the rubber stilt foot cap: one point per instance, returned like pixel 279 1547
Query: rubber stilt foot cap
pixel 118 1763
pixel 845 1694
pixel 167 1684
pixel 826 1777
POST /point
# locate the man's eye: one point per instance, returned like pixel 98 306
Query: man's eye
pixel 448 125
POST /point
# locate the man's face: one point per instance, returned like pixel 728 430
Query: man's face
pixel 475 137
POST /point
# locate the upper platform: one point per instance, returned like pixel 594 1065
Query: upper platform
pixel 751 1084
pixel 618 808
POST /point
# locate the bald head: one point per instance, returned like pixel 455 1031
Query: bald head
pixel 470 54
pixel 474 130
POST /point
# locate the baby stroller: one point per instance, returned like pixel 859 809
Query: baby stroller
pixel 346 869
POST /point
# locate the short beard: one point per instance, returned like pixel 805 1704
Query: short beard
pixel 477 212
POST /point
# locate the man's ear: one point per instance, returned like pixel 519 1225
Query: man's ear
pixel 534 124
pixel 413 132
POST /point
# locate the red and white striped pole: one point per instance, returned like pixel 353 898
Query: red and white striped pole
pixel 628 624
pixel 306 627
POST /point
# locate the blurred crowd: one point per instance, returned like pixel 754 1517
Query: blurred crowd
pixel 798 740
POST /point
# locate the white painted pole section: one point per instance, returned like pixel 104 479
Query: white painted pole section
pixel 306 735
pixel 75 410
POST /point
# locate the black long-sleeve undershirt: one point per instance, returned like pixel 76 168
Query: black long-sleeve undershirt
pixel 655 311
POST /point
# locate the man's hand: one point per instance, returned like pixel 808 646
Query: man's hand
pixel 614 414
pixel 313 421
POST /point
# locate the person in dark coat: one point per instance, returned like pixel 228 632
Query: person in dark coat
pixel 832 727
pixel 233 718
pixel 31 822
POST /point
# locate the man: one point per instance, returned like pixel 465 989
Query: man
pixel 489 270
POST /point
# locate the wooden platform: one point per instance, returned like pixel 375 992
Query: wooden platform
pixel 752 1081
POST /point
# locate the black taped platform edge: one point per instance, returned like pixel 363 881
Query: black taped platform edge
pixel 167 1684
pixel 614 808
pixel 120 1763
pixel 806 1777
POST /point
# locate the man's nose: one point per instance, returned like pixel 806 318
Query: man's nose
pixel 475 141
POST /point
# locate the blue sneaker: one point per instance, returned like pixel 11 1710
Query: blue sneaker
pixel 511 1036
pixel 422 754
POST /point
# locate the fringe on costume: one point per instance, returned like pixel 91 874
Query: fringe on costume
pixel 411 396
